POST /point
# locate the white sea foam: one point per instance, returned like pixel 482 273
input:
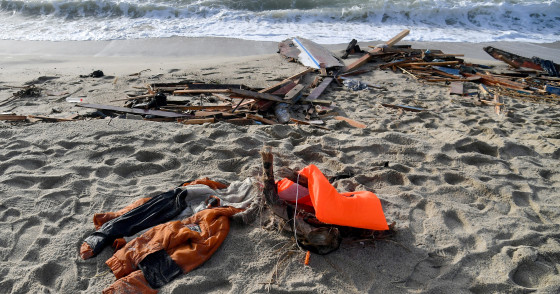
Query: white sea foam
pixel 334 21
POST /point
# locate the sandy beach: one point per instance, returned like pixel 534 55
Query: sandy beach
pixel 474 195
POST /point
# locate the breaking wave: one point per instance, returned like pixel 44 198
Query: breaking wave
pixel 325 21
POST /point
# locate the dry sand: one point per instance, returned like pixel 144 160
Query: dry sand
pixel 474 195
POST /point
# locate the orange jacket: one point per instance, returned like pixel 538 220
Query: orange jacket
pixel 188 243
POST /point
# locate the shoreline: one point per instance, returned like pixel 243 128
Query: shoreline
pixel 225 47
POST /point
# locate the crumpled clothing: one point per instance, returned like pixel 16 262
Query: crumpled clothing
pixel 175 204
pixel 188 243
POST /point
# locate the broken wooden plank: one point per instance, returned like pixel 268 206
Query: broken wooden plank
pixel 492 81
pixel 202 107
pixel 308 123
pixel 12 117
pixel 404 107
pixel 320 89
pixel 35 118
pixel 497 107
pixel 286 81
pixel 285 89
pixel 240 121
pixel 362 60
pixel 317 102
pixel 219 114
pixel 257 95
pixel 295 94
pixel 408 73
pixel 197 121
pixel 200 91
pixel 351 122
pixel 440 63
pixel 133 110
pixel 260 119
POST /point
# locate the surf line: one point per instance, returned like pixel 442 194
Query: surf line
pixel 309 54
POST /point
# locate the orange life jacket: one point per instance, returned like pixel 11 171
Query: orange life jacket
pixel 360 209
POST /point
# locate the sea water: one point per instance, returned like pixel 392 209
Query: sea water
pixel 324 21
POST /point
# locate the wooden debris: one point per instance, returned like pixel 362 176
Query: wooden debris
pixel 201 91
pixel 260 119
pixel 197 121
pixel 36 118
pixel 498 106
pixel 320 89
pixel 404 107
pixel 351 122
pixel 308 123
pixel 295 93
pixel 368 56
pixel 257 95
pixel 12 117
pixel 133 110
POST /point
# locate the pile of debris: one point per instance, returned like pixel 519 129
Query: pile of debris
pixel 296 99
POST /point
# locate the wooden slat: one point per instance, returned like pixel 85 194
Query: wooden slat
pixel 284 89
pixel 260 119
pixel 11 117
pixel 404 107
pixel 320 89
pixel 351 122
pixel 307 123
pixel 133 110
pixel 34 118
pixel 440 63
pixel 286 81
pixel 209 107
pixel 491 80
pixel 197 121
pixel 295 93
pixel 257 95
pixel 200 91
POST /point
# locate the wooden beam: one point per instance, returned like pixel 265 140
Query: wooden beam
pixel 286 81
pixel 295 94
pixel 11 117
pixel 440 63
pixel 257 95
pixel 209 107
pixel 201 91
pixel 133 110
pixel 320 89
pixel 260 119
pixel 368 56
